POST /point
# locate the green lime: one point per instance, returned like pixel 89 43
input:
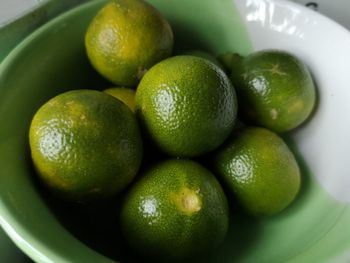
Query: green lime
pixel 125 39
pixel 228 60
pixel 259 169
pixel 205 55
pixel 275 89
pixel 85 145
pixel 125 95
pixel 187 105
pixel 175 212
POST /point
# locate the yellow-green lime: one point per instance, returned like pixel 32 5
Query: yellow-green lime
pixel 187 105
pixel 177 211
pixel 259 169
pixel 85 145
pixel 275 89
pixel 125 39
pixel 125 95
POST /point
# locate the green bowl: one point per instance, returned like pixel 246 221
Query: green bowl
pixel 53 60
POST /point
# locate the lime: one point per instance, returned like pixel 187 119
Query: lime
pixel 275 89
pixel 176 211
pixel 125 39
pixel 187 105
pixel 205 55
pixel 125 95
pixel 259 169
pixel 85 145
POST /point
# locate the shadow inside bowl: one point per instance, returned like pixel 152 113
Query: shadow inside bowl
pixel 95 224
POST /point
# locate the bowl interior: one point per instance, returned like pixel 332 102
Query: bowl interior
pixel 52 60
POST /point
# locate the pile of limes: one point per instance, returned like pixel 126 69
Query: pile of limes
pixel 89 145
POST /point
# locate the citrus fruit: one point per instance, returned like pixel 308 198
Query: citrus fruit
pixel 259 169
pixel 228 60
pixel 205 55
pixel 85 145
pixel 187 105
pixel 125 39
pixel 125 95
pixel 176 211
pixel 275 89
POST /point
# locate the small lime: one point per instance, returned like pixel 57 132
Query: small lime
pixel 85 145
pixel 125 95
pixel 259 169
pixel 177 211
pixel 125 39
pixel 275 89
pixel 187 105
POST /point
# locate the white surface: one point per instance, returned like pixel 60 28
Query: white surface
pixel 9 9
pixel 325 47
pixel 336 9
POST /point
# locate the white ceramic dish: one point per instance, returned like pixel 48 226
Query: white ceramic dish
pixel 338 10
